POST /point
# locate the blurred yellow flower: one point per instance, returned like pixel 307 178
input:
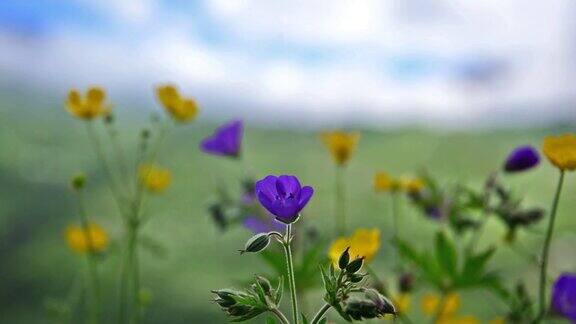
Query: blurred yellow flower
pixel 497 320
pixel 180 108
pixel 340 144
pixel 363 243
pixel 561 151
pixel 411 185
pixel 155 179
pixel 402 303
pixel 431 303
pixel 79 240
pixel 93 105
pixel 467 319
pixel 384 182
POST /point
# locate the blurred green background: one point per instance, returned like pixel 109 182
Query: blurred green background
pixel 41 147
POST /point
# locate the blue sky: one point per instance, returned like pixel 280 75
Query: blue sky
pixel 386 62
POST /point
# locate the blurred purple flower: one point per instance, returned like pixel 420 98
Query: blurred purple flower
pixel 261 225
pixel 522 158
pixel 433 212
pixel 225 141
pixel 283 196
pixel 564 296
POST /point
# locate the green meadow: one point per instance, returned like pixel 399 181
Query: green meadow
pixel 41 148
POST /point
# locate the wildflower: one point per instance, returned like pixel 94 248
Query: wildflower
pixel 372 305
pixel 564 296
pixel 180 108
pixel 79 240
pixel 411 185
pixel 154 179
pixel 431 303
pixel 522 158
pixel 340 144
pixel 93 105
pixel 363 243
pixel 402 302
pixel 384 182
pixel 283 196
pixel 225 141
pixel 561 151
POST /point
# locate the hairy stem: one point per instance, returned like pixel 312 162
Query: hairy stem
pixel 320 313
pixel 546 250
pixel 290 268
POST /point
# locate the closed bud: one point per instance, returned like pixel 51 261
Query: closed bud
pixel 78 182
pixel 109 118
pixel 225 302
pixel 344 259
pixel 406 282
pixel 145 133
pixel 355 265
pixel 356 277
pixel 239 310
pixel 256 243
pixel 264 283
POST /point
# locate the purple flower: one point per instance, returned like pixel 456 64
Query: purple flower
pixel 225 141
pixel 261 225
pixel 564 296
pixel 283 196
pixel 522 158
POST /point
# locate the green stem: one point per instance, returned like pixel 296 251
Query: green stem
pixel 396 229
pixel 280 316
pixel 320 313
pixel 124 276
pixel 290 268
pixel 546 250
pixel 340 202
pixel 92 263
pixel 137 314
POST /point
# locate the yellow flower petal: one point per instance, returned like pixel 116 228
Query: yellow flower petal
pixel 336 248
pixel 95 96
pixel 363 243
pixel 79 240
pixel 561 151
pixel 402 303
pixel 384 182
pixel 340 144
pixel 411 185
pixel 431 303
pixel 179 108
pixel 88 108
pixel 155 179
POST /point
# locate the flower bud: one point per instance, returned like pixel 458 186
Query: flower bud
pixel 78 182
pixel 264 283
pixel 239 310
pixel 355 265
pixel 256 243
pixel 344 259
pixel 109 118
pixel 356 278
pixel 406 282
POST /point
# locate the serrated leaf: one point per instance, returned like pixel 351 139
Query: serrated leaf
pixel 446 254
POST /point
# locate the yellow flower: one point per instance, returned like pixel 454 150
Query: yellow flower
pixel 561 151
pixel 93 105
pixel 467 319
pixel 363 243
pixel 79 241
pixel 384 182
pixel 340 144
pixel 497 320
pixel 180 108
pixel 431 303
pixel 402 303
pixel 154 179
pixel 411 185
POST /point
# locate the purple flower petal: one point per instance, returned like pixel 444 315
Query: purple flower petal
pixel 283 196
pixel 564 296
pixel 225 141
pixel 522 158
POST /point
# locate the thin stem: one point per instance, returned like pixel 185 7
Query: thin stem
pixel 280 316
pixel 546 250
pixel 396 229
pixel 137 314
pixel 123 289
pixel 340 201
pixel 290 268
pixel 320 313
pixel 92 264
pixel 118 151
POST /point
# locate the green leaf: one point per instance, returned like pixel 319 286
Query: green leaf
pixel 270 320
pixel 475 266
pixel 446 254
